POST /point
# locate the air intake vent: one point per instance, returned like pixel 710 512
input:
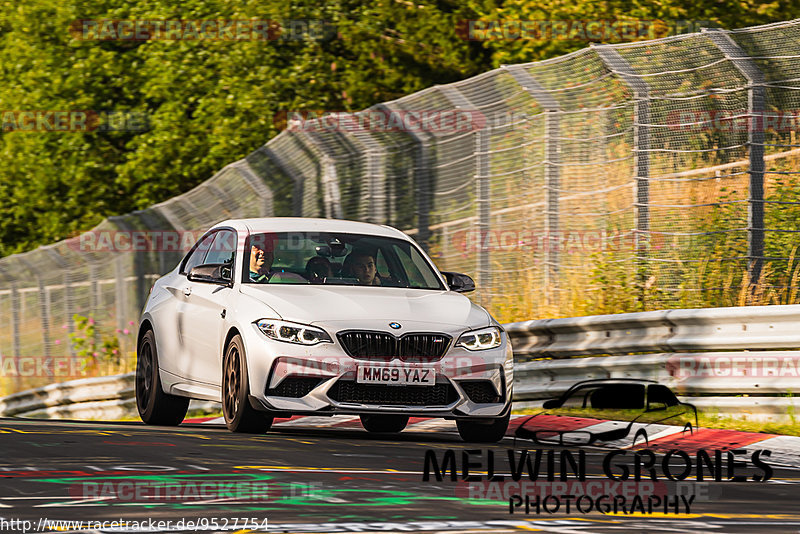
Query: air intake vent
pixel 384 346
pixel 350 391
pixel 294 387
pixel 480 391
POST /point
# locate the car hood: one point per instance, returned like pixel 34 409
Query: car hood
pixel 362 305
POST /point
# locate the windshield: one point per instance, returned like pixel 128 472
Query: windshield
pixel 336 259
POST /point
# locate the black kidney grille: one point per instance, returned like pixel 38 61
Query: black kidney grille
pixel 350 391
pixel 480 391
pixel 294 387
pixel 384 346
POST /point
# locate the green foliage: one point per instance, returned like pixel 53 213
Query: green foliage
pixel 90 346
pixel 729 14
pixel 213 102
pixel 209 102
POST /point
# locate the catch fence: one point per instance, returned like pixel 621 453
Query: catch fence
pixel 628 177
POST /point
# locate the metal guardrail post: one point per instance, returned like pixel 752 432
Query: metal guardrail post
pixel 641 148
pixel 756 104
pixel 552 132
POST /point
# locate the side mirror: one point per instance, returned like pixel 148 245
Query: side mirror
pixel 460 283
pixel 212 273
pixel 550 404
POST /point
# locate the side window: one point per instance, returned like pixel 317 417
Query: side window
pixel 658 394
pixel 380 264
pixel 419 274
pixel 198 254
pixel 222 248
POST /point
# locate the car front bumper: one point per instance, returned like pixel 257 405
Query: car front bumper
pixel 333 390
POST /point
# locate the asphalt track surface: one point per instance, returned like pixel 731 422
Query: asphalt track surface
pixel 318 480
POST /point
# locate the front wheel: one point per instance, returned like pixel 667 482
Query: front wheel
pixel 155 407
pixel 239 415
pixel 384 423
pixel 483 431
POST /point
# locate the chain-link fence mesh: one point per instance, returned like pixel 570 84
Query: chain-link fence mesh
pixel 617 178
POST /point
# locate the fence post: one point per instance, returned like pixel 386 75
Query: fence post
pixel 63 267
pixel 377 187
pixel 332 199
pixel 482 190
pixel 423 187
pixel 641 151
pixel 94 297
pixel 258 185
pixel 44 315
pixel 552 131
pixel 298 190
pixel 15 348
pixel 482 186
pixel 121 304
pixel 756 107
pixel 44 308
pixel 139 257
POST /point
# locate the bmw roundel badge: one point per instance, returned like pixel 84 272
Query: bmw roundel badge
pixel 396 326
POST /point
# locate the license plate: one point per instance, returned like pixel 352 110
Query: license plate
pixel 395 376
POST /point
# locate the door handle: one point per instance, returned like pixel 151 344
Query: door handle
pixel 187 291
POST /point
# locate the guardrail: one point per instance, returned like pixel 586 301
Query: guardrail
pixel 720 359
pixel 743 328
pixel 101 398
pixel 711 357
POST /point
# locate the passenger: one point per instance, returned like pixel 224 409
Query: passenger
pixel 361 265
pixel 261 258
pixel 318 269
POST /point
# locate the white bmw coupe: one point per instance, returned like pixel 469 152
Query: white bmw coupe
pixel 288 316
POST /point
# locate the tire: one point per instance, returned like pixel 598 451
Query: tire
pixel 384 423
pixel 239 415
pixel 155 407
pixel 477 431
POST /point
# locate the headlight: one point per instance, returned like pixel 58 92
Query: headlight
pixel 292 332
pixel 485 338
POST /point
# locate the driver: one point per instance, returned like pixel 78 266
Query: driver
pixel 261 258
pixel 361 265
